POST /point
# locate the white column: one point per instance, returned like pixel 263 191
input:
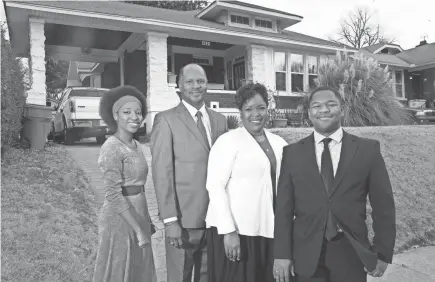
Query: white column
pixel 160 96
pixel 121 71
pixel 260 65
pixel 37 93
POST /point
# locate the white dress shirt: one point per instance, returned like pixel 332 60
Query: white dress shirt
pixel 239 184
pixel 334 148
pixel 206 121
pixel 205 118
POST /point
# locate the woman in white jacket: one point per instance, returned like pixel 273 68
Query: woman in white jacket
pixel 243 169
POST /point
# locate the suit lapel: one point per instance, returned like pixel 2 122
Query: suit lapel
pixel 348 150
pixel 188 120
pixel 213 125
pixel 309 150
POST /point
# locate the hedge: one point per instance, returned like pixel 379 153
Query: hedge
pixel 13 97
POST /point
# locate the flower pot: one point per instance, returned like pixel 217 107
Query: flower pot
pixel 172 78
pixel 279 122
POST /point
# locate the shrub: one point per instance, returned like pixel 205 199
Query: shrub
pixel 366 89
pixel 233 122
pixel 13 96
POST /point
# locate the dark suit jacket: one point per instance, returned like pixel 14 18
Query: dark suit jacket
pixel 179 164
pixel 303 203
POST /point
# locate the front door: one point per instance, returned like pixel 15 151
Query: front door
pixel 416 86
pixel 239 74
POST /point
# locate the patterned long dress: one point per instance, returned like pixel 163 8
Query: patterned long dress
pixel 119 258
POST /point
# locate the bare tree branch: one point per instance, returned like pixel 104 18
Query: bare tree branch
pixel 358 30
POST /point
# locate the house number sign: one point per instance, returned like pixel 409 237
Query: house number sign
pixel 206 43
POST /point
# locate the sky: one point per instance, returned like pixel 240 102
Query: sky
pixel 405 20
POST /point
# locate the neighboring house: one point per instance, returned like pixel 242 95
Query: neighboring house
pixel 113 43
pixel 413 70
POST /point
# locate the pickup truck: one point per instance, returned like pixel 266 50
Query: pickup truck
pixel 77 116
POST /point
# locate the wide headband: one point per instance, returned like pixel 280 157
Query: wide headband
pixel 122 101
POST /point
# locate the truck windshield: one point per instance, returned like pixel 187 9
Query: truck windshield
pixel 87 93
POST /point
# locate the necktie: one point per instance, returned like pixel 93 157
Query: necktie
pixel 201 127
pixel 327 172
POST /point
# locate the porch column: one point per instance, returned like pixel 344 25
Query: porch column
pixel 160 96
pixel 37 114
pixel 37 92
pixel 260 65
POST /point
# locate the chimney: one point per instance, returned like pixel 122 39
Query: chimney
pixel 424 42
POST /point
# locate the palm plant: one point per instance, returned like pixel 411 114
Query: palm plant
pixel 365 88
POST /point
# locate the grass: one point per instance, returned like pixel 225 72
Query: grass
pixel 409 154
pixel 49 230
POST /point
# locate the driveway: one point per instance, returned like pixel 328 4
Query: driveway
pixel 85 153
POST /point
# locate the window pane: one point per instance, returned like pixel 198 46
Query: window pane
pixel 246 20
pixel 297 82
pixel 399 90
pixel 312 64
pixel 269 24
pixel 280 81
pixel 398 77
pixel 297 63
pixel 311 81
pixel 280 61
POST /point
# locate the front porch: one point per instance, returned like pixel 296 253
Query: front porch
pixel 128 50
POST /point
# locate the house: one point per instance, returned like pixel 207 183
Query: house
pixel 413 70
pixel 113 43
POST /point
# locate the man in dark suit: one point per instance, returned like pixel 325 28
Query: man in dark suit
pixel 320 229
pixel 180 144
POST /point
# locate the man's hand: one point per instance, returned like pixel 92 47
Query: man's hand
pixel 380 269
pixel 232 246
pixel 173 234
pixel 282 268
pixel 142 238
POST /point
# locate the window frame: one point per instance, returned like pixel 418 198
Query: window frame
pixel 239 24
pixel 402 84
pixel 273 28
pixel 286 67
pixel 304 71
pixel 317 68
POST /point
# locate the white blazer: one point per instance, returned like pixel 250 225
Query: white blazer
pixel 239 184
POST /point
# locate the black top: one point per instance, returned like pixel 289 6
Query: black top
pixel 267 149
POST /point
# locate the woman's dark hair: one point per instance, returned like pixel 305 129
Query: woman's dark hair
pixel 325 88
pixel 248 91
pixel 110 97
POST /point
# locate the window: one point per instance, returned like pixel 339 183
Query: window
pixel 398 84
pixel 202 61
pixel 312 62
pixel 263 23
pixel 297 72
pixel 239 19
pixel 280 71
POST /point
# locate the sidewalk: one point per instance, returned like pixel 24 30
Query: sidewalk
pixel 417 265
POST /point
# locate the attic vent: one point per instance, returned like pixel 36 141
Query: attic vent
pixel 239 19
pixel 263 23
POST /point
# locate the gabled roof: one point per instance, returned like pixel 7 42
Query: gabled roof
pixel 375 48
pixel 388 59
pixel 133 11
pixel 420 55
pixel 213 10
pixel 249 5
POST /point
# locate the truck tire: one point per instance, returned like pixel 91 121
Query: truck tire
pixel 68 136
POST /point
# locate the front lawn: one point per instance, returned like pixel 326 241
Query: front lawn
pixel 49 230
pixel 409 153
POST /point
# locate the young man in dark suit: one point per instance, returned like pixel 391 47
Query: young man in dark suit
pixel 320 229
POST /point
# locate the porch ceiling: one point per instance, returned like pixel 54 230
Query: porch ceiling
pixel 84 37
